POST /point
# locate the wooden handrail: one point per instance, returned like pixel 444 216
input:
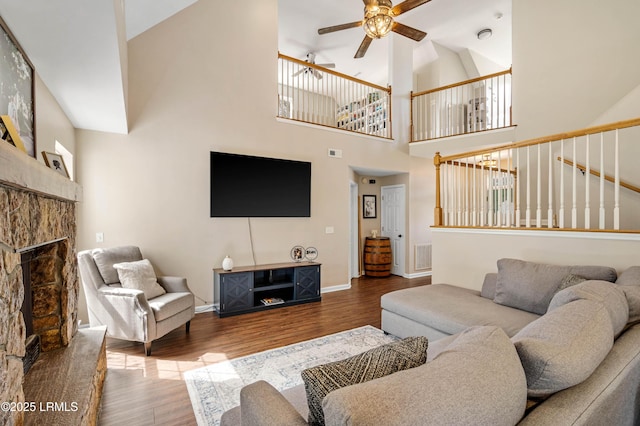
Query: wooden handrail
pixel 481 167
pixel 545 139
pixel 337 74
pixel 608 178
pixel 462 83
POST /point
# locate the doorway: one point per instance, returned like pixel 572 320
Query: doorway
pixel 393 218
pixel 354 239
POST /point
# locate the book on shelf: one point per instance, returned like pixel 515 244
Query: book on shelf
pixel 271 301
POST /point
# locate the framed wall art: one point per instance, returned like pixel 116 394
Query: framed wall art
pixel 55 162
pixel 17 88
pixel 369 207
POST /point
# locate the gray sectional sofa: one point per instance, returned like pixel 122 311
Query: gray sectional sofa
pixel 539 345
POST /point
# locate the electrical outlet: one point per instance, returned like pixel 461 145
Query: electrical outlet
pixel 99 237
pixel 329 230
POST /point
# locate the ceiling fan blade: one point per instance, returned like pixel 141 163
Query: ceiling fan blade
pixel 316 74
pixel 335 28
pixel 406 6
pixel 406 31
pixel 327 65
pixel 363 47
pixel 297 73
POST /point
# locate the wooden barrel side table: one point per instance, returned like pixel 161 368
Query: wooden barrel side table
pixel 377 257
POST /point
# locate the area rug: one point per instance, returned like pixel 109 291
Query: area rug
pixel 216 388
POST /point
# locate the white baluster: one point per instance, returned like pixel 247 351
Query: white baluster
pixel 561 209
pixel 550 189
pixel 574 192
pixel 616 205
pixel 539 192
pixel 528 210
pixel 517 193
pixel 587 195
pixel 602 173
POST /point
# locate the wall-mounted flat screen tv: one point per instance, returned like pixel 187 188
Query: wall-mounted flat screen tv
pixel 249 186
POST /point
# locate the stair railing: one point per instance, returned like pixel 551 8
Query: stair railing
pixel 521 185
pixel 313 94
pixel 474 105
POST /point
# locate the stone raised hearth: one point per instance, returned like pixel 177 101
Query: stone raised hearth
pixel 37 222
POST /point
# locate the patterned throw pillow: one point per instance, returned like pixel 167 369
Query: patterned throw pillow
pixel 570 280
pixel 372 364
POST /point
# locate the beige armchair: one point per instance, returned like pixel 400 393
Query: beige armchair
pixel 127 312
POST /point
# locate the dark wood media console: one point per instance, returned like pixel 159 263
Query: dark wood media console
pixel 244 289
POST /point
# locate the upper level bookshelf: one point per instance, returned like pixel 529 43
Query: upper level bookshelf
pixel 367 115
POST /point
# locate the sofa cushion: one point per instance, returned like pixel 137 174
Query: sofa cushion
pixel 610 295
pixel 169 304
pixel 105 258
pixel 563 347
pixel 139 275
pixel 489 285
pixel 477 379
pixel 530 286
pixel 450 309
pixel 374 363
pixel 630 282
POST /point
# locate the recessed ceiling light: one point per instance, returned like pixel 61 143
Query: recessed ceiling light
pixel 485 34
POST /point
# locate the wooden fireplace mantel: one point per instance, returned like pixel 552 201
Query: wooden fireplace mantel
pixel 20 171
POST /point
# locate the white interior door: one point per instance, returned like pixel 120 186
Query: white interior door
pixel 392 217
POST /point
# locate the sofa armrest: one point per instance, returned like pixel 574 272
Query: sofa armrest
pixel 126 313
pixel 174 284
pixel 261 404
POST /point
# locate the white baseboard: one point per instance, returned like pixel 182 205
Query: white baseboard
pixel 333 288
pixel 418 274
pixel 204 308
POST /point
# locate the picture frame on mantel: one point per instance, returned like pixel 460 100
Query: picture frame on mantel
pixel 369 207
pixel 55 162
pixel 17 96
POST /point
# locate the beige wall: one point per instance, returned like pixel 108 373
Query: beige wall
pixel 192 91
pixel 51 122
pixel 566 76
pixel 572 65
pixel 463 257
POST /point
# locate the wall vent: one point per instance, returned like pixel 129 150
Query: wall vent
pixel 422 256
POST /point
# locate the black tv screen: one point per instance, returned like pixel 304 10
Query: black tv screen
pixel 249 186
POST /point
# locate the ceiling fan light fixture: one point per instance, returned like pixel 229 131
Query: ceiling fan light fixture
pixel 378 21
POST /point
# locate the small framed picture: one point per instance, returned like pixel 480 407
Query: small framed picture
pixel 55 162
pixel 369 206
pixel 297 253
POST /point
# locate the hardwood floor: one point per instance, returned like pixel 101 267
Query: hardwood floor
pixel 142 390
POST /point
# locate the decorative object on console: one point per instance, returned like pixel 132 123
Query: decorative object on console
pixel 227 263
pixel 297 253
pixel 374 233
pixel 55 162
pixel 311 253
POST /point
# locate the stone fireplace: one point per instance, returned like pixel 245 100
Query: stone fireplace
pixel 37 231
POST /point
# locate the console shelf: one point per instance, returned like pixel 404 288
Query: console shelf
pixel 243 289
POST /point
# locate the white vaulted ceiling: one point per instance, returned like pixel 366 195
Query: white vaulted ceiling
pixel 78 48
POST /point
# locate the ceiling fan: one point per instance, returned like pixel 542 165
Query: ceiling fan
pixel 379 21
pixel 311 58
